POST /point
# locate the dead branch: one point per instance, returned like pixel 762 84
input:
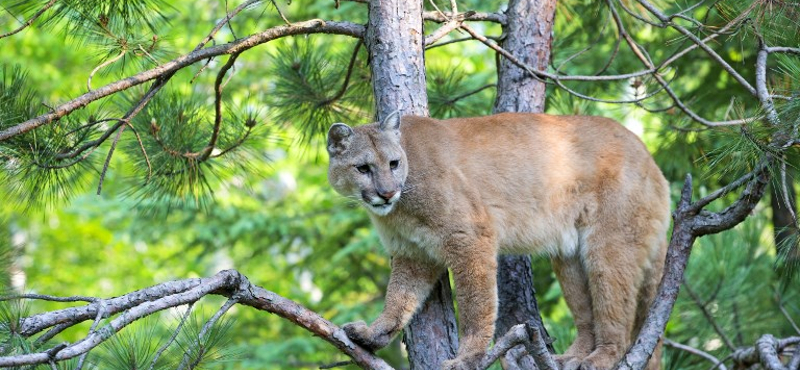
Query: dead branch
pixel 136 305
pixel 697 352
pixel 765 352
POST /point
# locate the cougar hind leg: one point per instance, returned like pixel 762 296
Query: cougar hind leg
pixel 575 287
pixel 614 269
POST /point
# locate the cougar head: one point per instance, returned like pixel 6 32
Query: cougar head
pixel 368 164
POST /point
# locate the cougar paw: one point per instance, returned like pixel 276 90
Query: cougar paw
pixel 364 336
pixel 600 359
pixel 567 362
pixel 463 362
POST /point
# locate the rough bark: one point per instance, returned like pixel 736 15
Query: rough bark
pixel 432 336
pixel 528 35
pixel 395 42
pixel 394 38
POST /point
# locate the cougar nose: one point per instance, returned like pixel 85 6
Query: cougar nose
pixel 386 195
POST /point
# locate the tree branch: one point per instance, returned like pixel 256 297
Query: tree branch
pixel 145 302
pixel 238 46
pixel 31 20
pixel 717 363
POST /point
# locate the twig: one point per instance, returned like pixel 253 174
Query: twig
pixel 762 93
pixel 751 355
pixel 172 338
pixel 469 93
pixel 108 158
pixel 104 64
pixel 230 26
pixel 721 61
pixel 50 334
pixel 280 13
pixel 101 312
pixel 783 49
pixel 697 352
pixel 709 317
pixel 442 17
pixel 218 107
pixel 537 348
pixel 698 205
pixel 664 84
pixel 336 364
pixel 31 20
pixel 786 313
pixel 515 336
pixel 50 298
pixel 204 330
pixel 339 94
pixel 224 21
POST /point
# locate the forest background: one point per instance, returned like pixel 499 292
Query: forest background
pixel 268 211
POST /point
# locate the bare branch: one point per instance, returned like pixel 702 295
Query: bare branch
pixel 339 94
pixel 223 22
pixel 761 86
pixel 104 64
pixel 767 352
pixel 144 302
pixel 697 352
pixel 217 107
pixel 50 298
pixel 442 17
pixel 783 49
pixel 786 313
pixel 702 45
pixel 753 355
pixel 174 335
pixel 515 336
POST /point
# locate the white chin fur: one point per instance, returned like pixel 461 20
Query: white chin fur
pixel 381 210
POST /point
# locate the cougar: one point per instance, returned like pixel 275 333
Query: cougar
pixel 453 194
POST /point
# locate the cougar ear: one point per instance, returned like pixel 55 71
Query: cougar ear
pixel 391 122
pixel 338 137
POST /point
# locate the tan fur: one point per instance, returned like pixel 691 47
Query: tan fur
pixel 583 190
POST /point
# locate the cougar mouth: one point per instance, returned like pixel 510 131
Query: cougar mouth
pixel 381 209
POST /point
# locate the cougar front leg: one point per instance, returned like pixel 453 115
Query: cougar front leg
pixel 474 266
pixel 409 285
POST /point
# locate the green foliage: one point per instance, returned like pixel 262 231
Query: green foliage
pixel 309 90
pixel 35 170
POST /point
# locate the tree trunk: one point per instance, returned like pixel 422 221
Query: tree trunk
pixel 528 36
pixel 394 40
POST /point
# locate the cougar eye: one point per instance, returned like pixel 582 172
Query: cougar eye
pixel 364 168
pixel 393 164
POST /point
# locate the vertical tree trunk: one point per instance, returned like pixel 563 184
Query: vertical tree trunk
pixel 528 36
pixel 396 49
